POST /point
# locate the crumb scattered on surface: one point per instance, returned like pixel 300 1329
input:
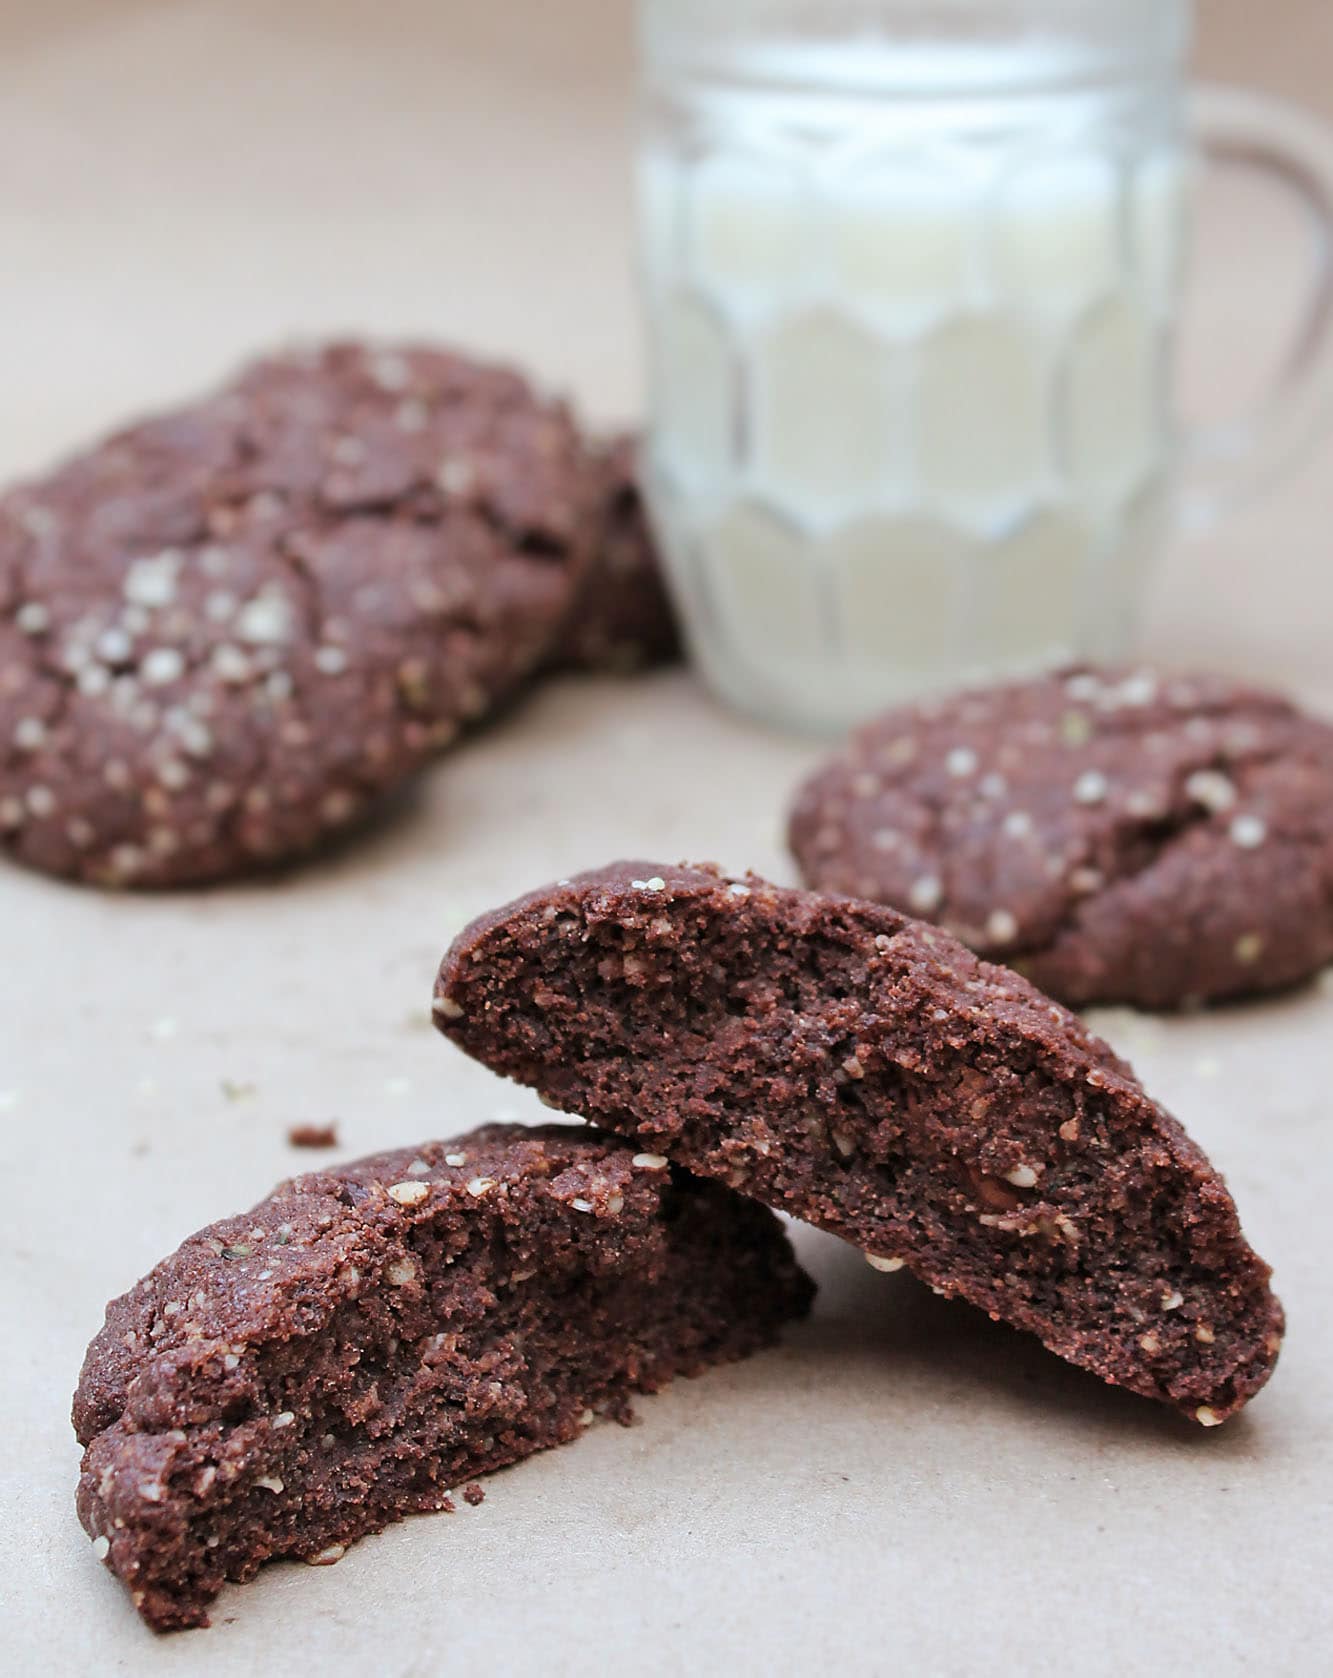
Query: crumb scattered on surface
pixel 313 1135
pixel 473 1495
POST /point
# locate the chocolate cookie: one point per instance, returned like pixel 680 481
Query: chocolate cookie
pixel 227 630
pixel 867 1073
pixel 1118 836
pixel 623 619
pixel 372 1335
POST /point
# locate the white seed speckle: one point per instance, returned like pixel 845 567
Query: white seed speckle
pixel 32 618
pixel 1091 787
pixel 926 894
pixel 327 1556
pixel 655 883
pixel 456 476
pixel 446 1008
pixel 409 1194
pixel 152 582
pixel 455 1159
pixel 1249 947
pixel 114 646
pixel 330 661
pixel 649 1162
pixel 284 1418
pixel 479 1186
pixel 1204 1335
pixel 264 620
pixel 1017 823
pixel 1022 1177
pixel 101 1546
pixel 1249 832
pixel 581 1205
pixel 29 733
pixel 219 605
pixel 1001 927
pixel 1207 1417
pixel 162 665
pixel 1212 789
pixel 41 802
pixel 230 664
pixel 886 1264
pixel 1173 1301
pixel 400 1272
pixel 270 1482
pixel 962 760
pixel 736 889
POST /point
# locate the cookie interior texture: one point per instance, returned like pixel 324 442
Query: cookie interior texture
pixel 1120 835
pixel 869 1074
pixel 370 1336
pixel 227 630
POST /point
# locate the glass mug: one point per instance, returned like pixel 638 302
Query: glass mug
pixel 911 270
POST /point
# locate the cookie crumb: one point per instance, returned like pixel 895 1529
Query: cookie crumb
pixel 473 1495
pixel 313 1135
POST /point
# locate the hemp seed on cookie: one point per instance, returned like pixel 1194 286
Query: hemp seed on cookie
pixel 1118 835
pixel 857 1069
pixel 373 1335
pixel 225 631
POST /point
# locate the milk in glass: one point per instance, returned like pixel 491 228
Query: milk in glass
pixel 909 318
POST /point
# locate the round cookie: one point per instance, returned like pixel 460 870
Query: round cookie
pixel 623 619
pixel 1117 835
pixel 226 630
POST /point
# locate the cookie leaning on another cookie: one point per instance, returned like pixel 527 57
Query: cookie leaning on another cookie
pixel 225 632
pixel 372 1335
pixel 1121 836
pixel 870 1075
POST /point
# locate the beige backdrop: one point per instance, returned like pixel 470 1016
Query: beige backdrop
pixel 902 1488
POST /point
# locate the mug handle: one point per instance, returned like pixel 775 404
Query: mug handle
pixel 1226 464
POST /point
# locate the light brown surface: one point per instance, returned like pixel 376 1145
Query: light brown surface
pixel 903 1488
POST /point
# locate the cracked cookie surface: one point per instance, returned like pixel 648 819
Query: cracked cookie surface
pixel 1117 835
pixel 372 1336
pixel 865 1072
pixel 225 631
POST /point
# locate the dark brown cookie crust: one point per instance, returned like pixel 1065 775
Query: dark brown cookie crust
pixel 1117 835
pixel 226 630
pixel 868 1074
pixel 370 1336
pixel 623 619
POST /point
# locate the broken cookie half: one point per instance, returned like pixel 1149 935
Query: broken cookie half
pixel 373 1335
pixel 867 1073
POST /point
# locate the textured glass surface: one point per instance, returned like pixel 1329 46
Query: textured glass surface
pixel 909 358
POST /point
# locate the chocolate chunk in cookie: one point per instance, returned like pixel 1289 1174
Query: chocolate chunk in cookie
pixel 371 1336
pixel 225 632
pixel 1119 836
pixel 869 1074
pixel 623 619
